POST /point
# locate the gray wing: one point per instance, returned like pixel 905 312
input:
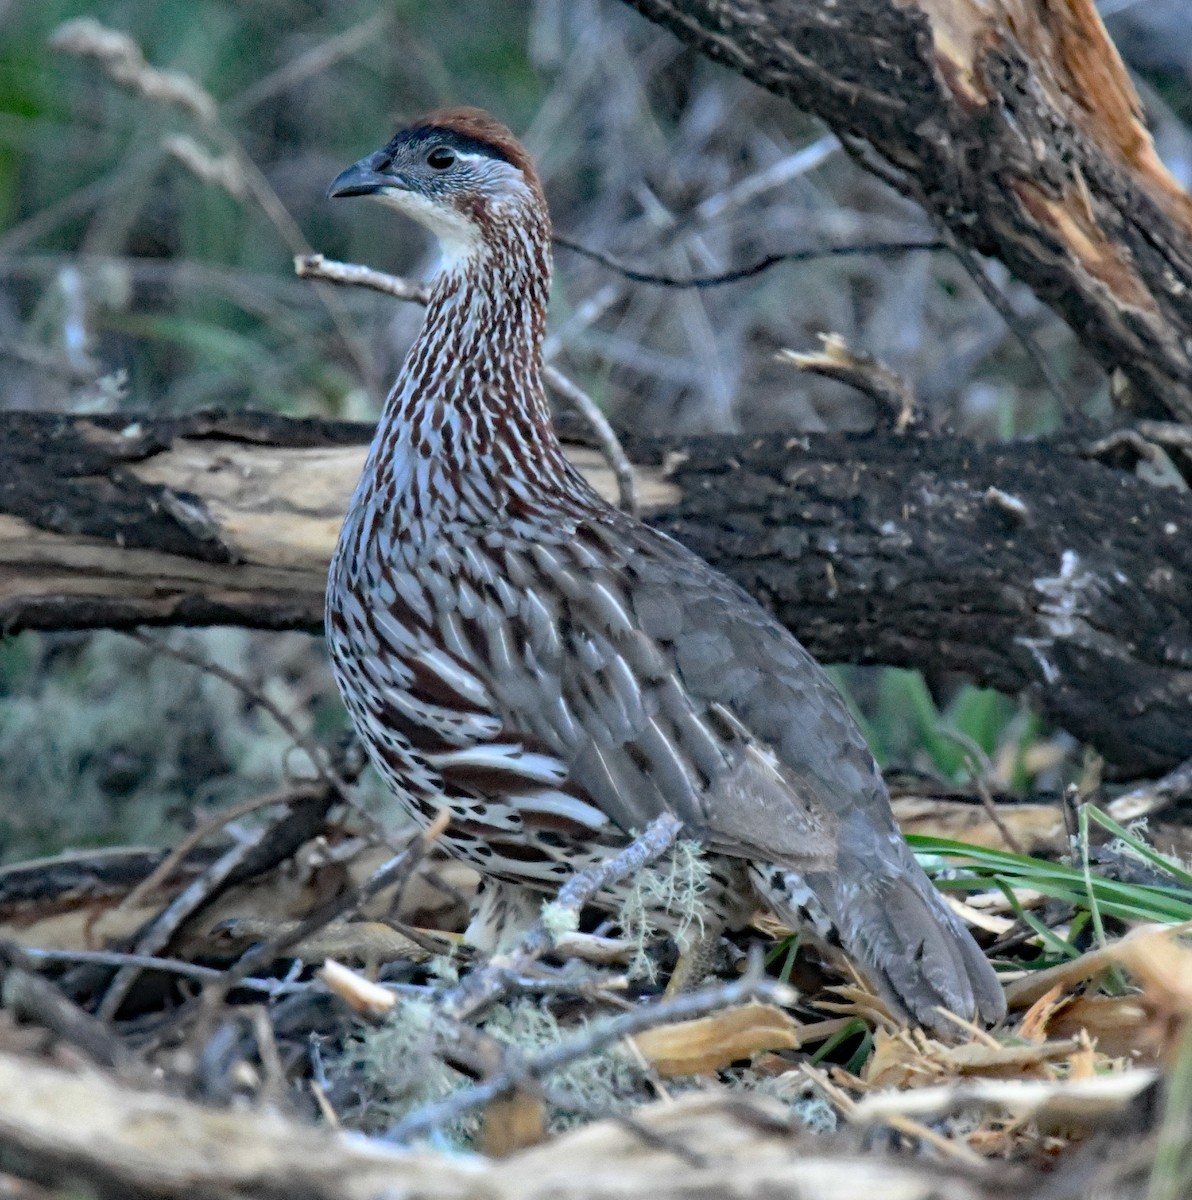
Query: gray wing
pixel 659 685
pixel 666 687
pixel 684 658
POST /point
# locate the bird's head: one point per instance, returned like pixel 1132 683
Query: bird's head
pixel 458 172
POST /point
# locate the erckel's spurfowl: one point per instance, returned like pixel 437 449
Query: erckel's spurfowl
pixel 558 674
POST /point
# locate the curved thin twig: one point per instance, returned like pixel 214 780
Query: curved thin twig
pixel 657 279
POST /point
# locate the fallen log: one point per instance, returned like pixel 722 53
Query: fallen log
pixel 1031 566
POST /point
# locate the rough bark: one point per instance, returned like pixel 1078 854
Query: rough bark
pixel 65 1128
pixel 1027 566
pixel 1016 126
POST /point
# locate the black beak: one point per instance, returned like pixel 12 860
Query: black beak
pixel 363 178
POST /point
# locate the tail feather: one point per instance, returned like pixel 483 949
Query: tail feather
pixel 901 935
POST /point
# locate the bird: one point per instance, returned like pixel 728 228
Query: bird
pixel 556 673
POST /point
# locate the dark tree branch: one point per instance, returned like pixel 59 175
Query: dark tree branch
pixel 1015 125
pixel 1026 566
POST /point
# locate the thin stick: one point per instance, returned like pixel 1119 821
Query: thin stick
pixel 169 966
pixel 893 394
pixel 200 833
pixel 969 261
pixel 28 996
pixel 145 962
pixel 315 266
pixel 1153 797
pixel 490 983
pixel 285 722
pixel 314 61
pixel 610 445
pixel 397 870
pixel 990 806
pixel 680 1008
pixel 658 279
pixel 170 919
pixel 957 1151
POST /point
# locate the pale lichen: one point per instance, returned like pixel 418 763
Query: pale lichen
pixel 677 885
pixel 559 919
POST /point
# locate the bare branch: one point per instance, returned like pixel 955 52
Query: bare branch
pixel 737 274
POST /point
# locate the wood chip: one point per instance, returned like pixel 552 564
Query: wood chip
pixel 711 1043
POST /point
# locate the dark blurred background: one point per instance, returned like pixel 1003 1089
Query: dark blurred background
pixel 147 230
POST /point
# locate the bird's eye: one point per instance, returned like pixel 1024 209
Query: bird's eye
pixel 440 158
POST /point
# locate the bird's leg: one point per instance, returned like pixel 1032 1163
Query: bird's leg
pixel 501 913
pixel 725 901
pixel 698 952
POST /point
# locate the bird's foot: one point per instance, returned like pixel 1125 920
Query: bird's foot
pixel 697 960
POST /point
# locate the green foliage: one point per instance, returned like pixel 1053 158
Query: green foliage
pixel 904 725
pixel 958 866
pixel 854 1030
pixel 1171 1168
pixel 65 127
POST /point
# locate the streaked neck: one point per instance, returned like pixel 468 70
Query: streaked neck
pixel 466 430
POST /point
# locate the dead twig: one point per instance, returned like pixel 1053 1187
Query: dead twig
pixel 892 394
pixel 396 871
pixel 1026 339
pixel 32 998
pixel 315 61
pixel 200 833
pixel 518 1071
pixel 487 985
pixel 316 266
pixel 1152 798
pixel 1167 433
pixel 169 966
pixel 255 696
pixel 606 436
pixel 167 923
pixel 190 900
pixel 659 279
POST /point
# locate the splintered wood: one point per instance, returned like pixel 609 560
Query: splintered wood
pixel 1016 126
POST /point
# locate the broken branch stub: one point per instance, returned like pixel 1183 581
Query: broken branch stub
pixel 1015 125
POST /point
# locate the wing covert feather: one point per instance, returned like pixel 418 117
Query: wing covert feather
pixel 673 690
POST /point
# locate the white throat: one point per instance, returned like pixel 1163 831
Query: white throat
pixel 459 238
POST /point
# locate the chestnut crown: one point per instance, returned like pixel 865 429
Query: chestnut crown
pixel 457 171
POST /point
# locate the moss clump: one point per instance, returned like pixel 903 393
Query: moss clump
pixel 677 886
pixel 608 1081
pixel 393 1070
